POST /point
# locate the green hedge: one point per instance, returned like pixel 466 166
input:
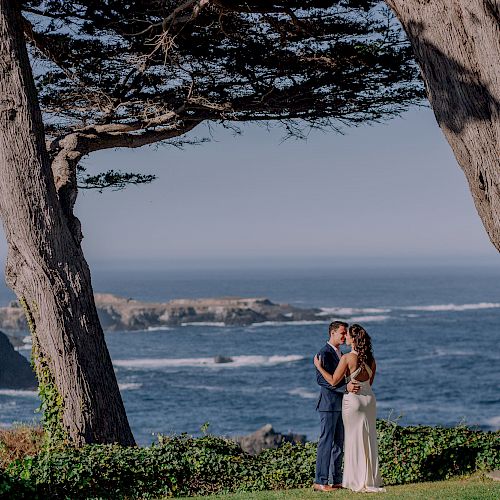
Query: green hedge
pixel 183 465
pixel 423 453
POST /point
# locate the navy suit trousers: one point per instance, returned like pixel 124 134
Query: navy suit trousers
pixel 330 448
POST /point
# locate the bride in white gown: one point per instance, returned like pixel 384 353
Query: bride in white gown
pixel 359 412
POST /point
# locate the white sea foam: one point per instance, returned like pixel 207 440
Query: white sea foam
pixel 453 307
pixel 210 388
pixel 130 386
pixel 238 361
pixel 157 328
pixel 366 319
pixel 349 311
pixel 27 343
pixel 303 393
pixel 204 323
pixel 439 351
pixel 25 347
pixel 18 393
pixel 290 323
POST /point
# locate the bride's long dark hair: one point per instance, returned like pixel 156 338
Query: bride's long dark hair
pixel 362 345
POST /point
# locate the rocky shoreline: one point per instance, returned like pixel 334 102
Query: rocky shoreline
pixel 126 314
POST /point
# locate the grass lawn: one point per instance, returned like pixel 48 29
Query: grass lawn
pixel 469 488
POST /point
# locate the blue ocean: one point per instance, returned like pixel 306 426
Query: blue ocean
pixel 435 331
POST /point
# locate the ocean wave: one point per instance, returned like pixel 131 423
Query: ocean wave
pixel 20 393
pixel 350 311
pixel 453 307
pixel 209 388
pixel 440 351
pixel 238 361
pixel 290 323
pixel 303 393
pixel 130 386
pixel 369 311
pixel 27 344
pixel 157 328
pixel 204 323
pixel 367 319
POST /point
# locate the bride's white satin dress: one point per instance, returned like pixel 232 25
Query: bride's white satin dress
pixel 359 413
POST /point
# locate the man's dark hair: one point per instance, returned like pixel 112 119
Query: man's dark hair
pixel 335 325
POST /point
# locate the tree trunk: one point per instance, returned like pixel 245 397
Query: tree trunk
pixel 457 45
pixel 45 264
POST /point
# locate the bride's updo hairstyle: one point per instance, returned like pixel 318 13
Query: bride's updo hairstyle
pixel 362 344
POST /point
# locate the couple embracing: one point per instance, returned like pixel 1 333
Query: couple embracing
pixel 347 409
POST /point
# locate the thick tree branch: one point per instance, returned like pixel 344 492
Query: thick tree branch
pixel 104 139
pixel 67 151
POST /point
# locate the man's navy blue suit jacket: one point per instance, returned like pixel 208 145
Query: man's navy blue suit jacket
pixel 330 398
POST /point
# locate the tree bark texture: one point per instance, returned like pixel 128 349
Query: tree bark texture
pixel 457 45
pixel 45 264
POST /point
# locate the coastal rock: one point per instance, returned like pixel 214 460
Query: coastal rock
pixel 126 314
pixel 223 359
pixel 266 437
pixel 15 370
pixel 119 313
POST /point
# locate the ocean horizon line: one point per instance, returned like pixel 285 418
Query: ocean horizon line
pixel 297 264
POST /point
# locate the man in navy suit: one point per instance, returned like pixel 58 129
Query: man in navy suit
pixel 331 439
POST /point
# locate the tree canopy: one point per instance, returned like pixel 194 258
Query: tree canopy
pixel 126 73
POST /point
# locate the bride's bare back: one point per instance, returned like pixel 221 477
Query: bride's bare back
pixel 352 365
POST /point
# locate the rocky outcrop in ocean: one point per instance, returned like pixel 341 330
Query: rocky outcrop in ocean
pixel 119 313
pixel 266 437
pixel 15 370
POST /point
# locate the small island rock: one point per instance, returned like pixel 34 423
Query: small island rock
pixel 223 359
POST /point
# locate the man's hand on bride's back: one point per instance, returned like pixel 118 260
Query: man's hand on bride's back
pixel 353 387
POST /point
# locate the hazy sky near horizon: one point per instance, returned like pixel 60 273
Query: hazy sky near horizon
pixel 390 190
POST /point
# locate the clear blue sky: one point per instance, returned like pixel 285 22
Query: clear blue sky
pixel 386 191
